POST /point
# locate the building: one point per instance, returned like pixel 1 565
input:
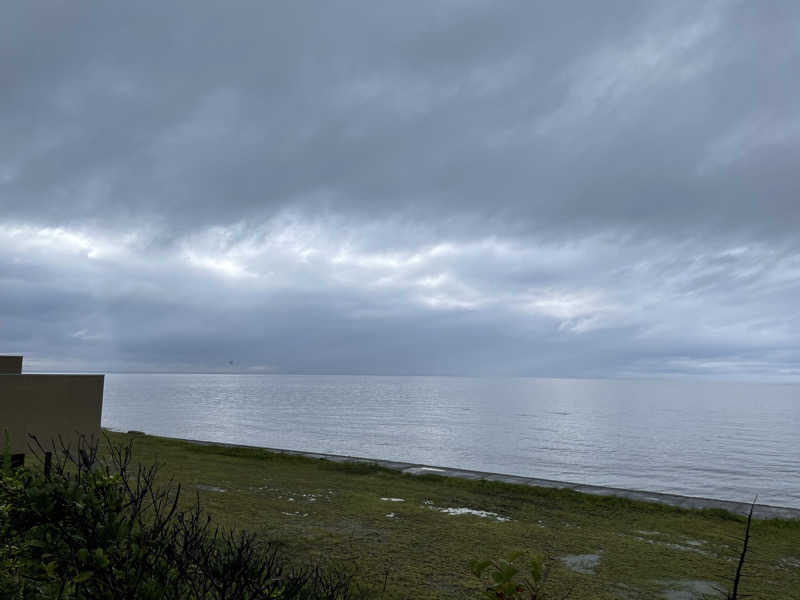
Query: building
pixel 55 408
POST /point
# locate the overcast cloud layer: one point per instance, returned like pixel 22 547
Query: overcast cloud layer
pixel 594 189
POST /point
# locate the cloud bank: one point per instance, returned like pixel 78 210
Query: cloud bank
pixel 606 190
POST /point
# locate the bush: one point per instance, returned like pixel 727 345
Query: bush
pixel 84 527
pixel 517 577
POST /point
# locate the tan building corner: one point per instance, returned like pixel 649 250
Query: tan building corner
pixel 51 407
pixel 10 365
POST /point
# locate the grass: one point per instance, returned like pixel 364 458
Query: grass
pixel 333 513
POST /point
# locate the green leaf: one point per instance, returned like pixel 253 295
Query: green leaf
pixel 509 588
pixel 101 558
pixel 478 566
pixel 498 577
pixel 536 569
pixel 85 576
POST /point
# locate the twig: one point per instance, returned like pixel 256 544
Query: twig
pixel 734 595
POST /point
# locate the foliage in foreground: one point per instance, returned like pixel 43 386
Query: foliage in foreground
pixel 81 527
pixel 509 580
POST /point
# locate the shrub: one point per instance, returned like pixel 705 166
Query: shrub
pixel 81 526
pixel 516 577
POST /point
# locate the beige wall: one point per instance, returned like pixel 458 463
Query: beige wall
pixel 10 364
pixel 48 406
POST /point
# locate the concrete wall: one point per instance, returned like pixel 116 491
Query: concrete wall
pixel 10 364
pixel 48 406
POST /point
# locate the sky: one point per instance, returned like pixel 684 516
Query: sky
pixel 552 189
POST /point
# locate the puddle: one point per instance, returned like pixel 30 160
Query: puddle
pixel 209 488
pixel 393 499
pixel 687 546
pixel 484 514
pixel 582 563
pixel 690 589
pixel 308 497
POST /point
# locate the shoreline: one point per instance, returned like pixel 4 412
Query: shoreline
pixel 761 511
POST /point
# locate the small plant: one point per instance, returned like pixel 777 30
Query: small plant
pixel 517 577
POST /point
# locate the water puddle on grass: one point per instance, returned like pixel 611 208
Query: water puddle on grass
pixel 281 493
pixel 209 488
pixel 689 589
pixel 308 497
pixel 312 497
pixel 688 545
pixel 582 563
pixel 484 514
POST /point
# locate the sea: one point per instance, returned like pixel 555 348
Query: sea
pixel 730 441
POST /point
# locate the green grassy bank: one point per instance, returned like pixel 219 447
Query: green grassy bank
pixel 342 514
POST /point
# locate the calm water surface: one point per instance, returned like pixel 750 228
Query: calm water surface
pixel 718 440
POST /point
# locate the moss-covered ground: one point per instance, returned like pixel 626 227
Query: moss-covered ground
pixel 344 515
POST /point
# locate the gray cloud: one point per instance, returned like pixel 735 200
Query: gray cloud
pixel 529 189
